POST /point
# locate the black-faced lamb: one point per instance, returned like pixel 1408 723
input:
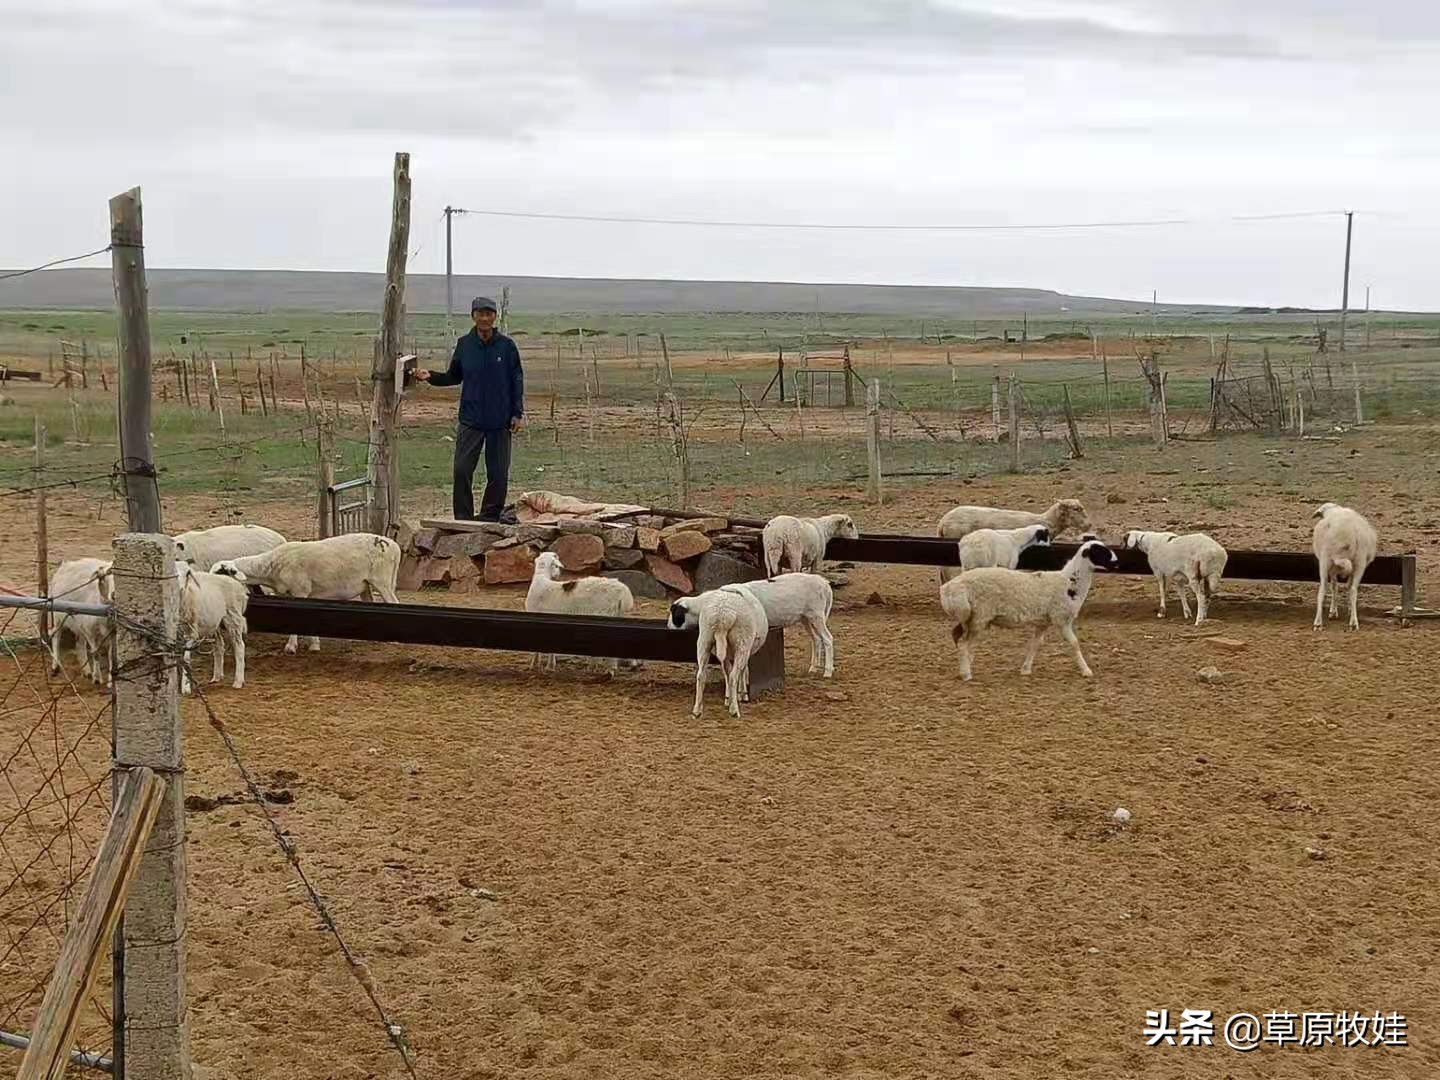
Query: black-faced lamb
pixel 1192 559
pixel 582 596
pixel 203 548
pixel 1345 544
pixel 788 600
pixel 350 567
pixel 1000 547
pixel 987 596
pixel 800 543
pixel 733 625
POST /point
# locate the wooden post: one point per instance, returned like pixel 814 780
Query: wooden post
pixel 1164 411
pixel 1014 425
pixel 1407 584
pixel 780 371
pixel 995 405
pixel 127 268
pixel 1105 370
pixel 260 386
pixel 1345 290
pixel 383 461
pixel 1300 413
pixel 42 542
pixel 875 492
pixel 1076 448
pixel 215 401
pixel 117 860
pixel 85 359
pixel 1355 383
pixel 325 444
pixel 669 371
pixel 849 390
pixel 148 734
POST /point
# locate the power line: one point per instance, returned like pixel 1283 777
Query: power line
pixel 57 262
pixel 878 227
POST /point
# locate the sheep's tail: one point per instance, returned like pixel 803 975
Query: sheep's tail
pixel 958 608
pixel 1342 567
pixel 774 546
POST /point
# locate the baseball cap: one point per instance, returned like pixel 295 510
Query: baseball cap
pixel 481 303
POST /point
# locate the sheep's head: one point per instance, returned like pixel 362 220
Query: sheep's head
pixel 845 526
pixel 1132 540
pixel 182 553
pixel 682 614
pixel 227 568
pixel 1072 516
pixel 1100 556
pixel 547 565
pixel 105 582
pixel 1040 535
pixel 1323 509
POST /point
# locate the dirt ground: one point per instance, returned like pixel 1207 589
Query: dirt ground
pixel 891 875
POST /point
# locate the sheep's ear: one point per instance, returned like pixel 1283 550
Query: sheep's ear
pixel 1319 512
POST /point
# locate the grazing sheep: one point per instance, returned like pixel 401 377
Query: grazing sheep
pixel 788 599
pixel 83 581
pixel 1000 547
pixel 1014 598
pixel 583 596
pixel 1193 559
pixel 203 548
pixel 212 606
pixel 1345 544
pixel 732 622
pixel 350 567
pixel 1066 515
pixel 801 542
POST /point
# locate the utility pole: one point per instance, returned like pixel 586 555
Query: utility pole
pixel 1345 294
pixel 449 271
pixel 127 269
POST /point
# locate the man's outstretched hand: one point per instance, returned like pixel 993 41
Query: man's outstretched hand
pixel 422 374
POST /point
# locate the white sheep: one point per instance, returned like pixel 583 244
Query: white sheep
pixel 212 606
pixel 1000 547
pixel 1014 598
pixel 733 624
pixel 350 567
pixel 788 600
pixel 83 581
pixel 1345 544
pixel 582 596
pixel 1066 515
pixel 1193 559
pixel 203 548
pixel 801 542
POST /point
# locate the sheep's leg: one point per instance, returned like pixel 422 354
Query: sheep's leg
pixel 55 646
pixel 237 646
pixel 827 645
pixel 733 678
pixel 217 665
pixel 1355 597
pixel 1068 633
pixel 1184 603
pixel 1320 597
pixel 185 669
pixel 702 662
pixel 1334 594
pixel 966 648
pixel 1160 579
pixel 385 592
pixel 1202 600
pixel 1030 652
pixel 291 644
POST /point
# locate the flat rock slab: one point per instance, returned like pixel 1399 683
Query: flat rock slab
pixel 666 572
pixel 684 545
pixel 579 551
pixel 639 583
pixel 509 564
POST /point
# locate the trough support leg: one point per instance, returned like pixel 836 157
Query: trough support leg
pixel 1407 585
pixel 767 667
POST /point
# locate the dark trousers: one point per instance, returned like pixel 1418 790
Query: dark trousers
pixel 469 442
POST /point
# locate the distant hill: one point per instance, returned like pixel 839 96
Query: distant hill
pixel 303 290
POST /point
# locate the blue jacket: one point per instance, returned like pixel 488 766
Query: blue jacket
pixel 492 383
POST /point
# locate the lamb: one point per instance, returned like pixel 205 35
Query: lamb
pixel 788 600
pixel 1345 544
pixel 801 542
pixel 83 581
pixel 212 606
pixel 732 622
pixel 1000 547
pixel 1066 515
pixel 1193 559
pixel 203 548
pixel 349 567
pixel 1014 598
pixel 583 596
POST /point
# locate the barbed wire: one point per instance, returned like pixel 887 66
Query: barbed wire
pixel 54 262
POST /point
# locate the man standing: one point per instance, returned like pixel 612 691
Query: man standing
pixel 486 366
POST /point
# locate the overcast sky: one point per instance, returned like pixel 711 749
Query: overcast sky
pixel 262 134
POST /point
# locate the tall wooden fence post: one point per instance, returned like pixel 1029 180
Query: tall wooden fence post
pixel 1076 447
pixel 148 733
pixel 127 269
pixel 383 463
pixel 875 491
pixel 1355 382
pixel 1105 370
pixel 324 511
pixel 1014 425
pixel 42 544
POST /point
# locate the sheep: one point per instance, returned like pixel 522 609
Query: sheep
pixel 1014 598
pixel 801 542
pixel 583 596
pixel 732 622
pixel 1066 515
pixel 1000 547
pixel 1345 544
pixel 349 567
pixel 1193 559
pixel 790 599
pixel 83 581
pixel 212 606
pixel 203 548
